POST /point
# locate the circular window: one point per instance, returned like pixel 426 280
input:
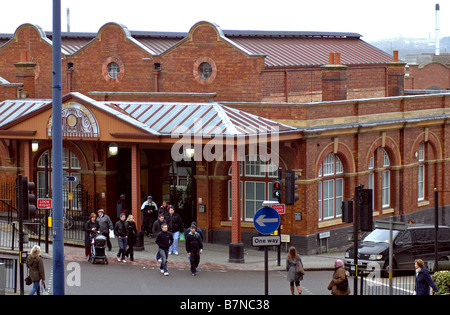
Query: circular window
pixel 204 70
pixel 112 69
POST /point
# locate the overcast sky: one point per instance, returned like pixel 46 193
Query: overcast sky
pixel 375 19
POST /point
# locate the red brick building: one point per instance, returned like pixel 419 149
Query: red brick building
pixel 326 105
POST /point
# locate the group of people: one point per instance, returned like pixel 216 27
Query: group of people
pixel 339 282
pixel 166 229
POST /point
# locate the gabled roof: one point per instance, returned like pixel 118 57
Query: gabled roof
pixel 158 119
pixel 281 48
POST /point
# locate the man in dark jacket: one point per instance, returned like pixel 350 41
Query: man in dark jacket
pixel 121 232
pixel 194 248
pixel 164 240
pixel 175 226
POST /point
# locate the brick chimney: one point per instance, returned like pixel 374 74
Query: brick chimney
pixel 334 79
pixel 25 74
pixel 395 76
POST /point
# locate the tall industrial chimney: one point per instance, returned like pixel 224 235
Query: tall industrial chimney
pixel 68 20
pixel 437 30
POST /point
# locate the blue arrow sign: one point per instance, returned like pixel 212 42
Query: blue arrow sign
pixel 266 220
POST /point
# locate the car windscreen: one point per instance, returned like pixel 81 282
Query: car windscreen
pixel 380 236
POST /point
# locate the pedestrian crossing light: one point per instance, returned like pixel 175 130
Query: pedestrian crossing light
pixel 277 189
pixel 291 187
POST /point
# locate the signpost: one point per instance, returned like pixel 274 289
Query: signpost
pixel 266 221
pixel 390 225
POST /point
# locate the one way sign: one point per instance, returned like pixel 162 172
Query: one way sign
pixel 266 220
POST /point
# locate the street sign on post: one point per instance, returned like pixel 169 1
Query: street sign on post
pixel 266 220
pixel 266 240
pixel 44 203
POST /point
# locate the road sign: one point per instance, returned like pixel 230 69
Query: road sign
pixel 396 225
pixel 266 220
pixel 266 240
pixel 44 203
pixel 281 209
pixel 70 178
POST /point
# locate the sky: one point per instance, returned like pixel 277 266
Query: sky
pixel 374 19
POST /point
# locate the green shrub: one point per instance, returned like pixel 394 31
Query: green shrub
pixel 442 280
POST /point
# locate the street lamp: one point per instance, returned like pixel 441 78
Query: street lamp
pixel 113 149
pixel 34 146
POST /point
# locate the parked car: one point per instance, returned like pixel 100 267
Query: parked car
pixel 417 241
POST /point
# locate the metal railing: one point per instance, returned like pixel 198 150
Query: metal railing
pixel 372 284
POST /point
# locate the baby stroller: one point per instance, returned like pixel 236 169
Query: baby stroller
pixel 98 251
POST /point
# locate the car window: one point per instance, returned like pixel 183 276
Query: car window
pixel 423 235
pixel 444 235
pixel 404 238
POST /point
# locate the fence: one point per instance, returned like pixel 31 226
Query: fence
pixel 11 272
pixel 402 284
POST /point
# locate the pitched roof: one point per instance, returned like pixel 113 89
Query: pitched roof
pixel 281 48
pixel 160 119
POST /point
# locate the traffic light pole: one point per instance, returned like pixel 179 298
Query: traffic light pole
pixel 20 211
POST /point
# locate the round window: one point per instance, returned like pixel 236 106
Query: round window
pixel 113 69
pixel 205 70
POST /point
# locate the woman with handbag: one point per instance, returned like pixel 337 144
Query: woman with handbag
pixel 339 283
pixel 36 267
pixel 294 267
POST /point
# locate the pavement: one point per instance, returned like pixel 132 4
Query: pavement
pixel 214 256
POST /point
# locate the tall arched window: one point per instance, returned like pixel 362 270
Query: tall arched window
pixel 330 188
pixel 382 164
pixel 71 168
pixel 256 178
pixel 421 173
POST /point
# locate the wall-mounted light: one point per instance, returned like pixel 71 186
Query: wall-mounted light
pixel 113 149
pixel 190 152
pixel 34 145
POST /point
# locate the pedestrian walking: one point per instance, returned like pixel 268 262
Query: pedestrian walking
pixel 164 240
pixel 148 209
pixel 156 229
pixel 194 248
pixel 423 279
pixel 106 225
pixel 121 206
pixel 339 283
pixel 36 269
pixel 132 232
pixel 91 228
pixel 164 209
pixel 294 278
pixel 121 232
pixel 175 226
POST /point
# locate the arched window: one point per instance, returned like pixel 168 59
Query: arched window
pixel 383 167
pixel 330 188
pixel 256 178
pixel 421 173
pixel 72 178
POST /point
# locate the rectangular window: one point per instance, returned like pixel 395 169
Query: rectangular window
pixel 421 183
pixel 328 199
pixel 254 197
pixel 385 189
pixel 339 196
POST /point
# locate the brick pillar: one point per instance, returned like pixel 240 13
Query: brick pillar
pixel 236 253
pixel 395 76
pixel 136 184
pixel 334 79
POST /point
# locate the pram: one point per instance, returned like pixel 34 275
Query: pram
pixel 98 251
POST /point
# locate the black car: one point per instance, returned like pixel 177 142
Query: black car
pixel 417 241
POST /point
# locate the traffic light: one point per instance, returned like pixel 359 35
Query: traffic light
pixel 366 211
pixel 291 187
pixel 347 211
pixel 26 199
pixel 277 189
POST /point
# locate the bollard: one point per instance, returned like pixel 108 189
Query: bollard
pixel 2 278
